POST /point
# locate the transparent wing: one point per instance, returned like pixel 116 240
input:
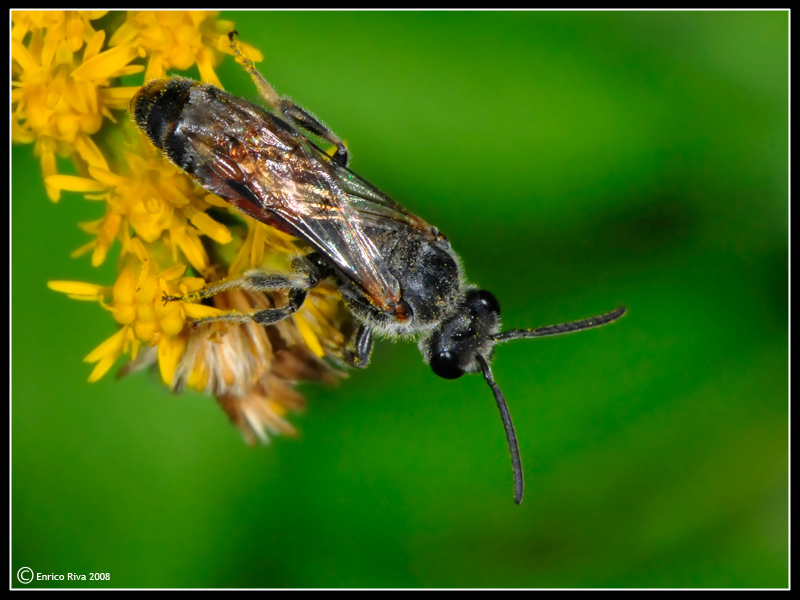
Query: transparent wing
pixel 270 171
pixel 373 206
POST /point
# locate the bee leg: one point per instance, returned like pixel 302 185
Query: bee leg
pixel 359 348
pixel 265 90
pixel 252 281
pixel 270 316
pixel 258 281
pixel 298 115
pixel 309 122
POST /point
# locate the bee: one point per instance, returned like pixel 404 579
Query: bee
pixel 397 274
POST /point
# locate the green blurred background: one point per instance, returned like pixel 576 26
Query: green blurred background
pixel 577 161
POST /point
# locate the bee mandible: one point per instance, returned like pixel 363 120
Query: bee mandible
pixel 397 274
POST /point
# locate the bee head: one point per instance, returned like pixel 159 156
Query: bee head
pixel 455 345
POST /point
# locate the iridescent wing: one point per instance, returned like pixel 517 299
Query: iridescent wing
pixel 270 171
pixel 373 206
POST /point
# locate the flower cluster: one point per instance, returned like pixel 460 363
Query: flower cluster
pixel 173 237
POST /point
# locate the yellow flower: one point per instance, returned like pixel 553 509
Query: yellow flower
pixel 177 40
pixel 155 200
pixel 136 305
pixel 59 99
pixel 250 369
pixel 67 27
pixel 173 237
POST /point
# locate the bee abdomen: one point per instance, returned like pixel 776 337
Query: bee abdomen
pixel 157 107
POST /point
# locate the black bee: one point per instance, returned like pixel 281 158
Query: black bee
pixel 397 274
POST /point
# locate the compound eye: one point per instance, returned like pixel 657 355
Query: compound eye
pixel 483 301
pixel 445 364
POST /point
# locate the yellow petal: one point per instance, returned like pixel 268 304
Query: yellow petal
pixel 106 177
pixel 102 367
pixel 94 45
pixel 20 54
pixel 86 248
pixel 135 344
pixel 124 35
pixel 74 93
pixel 309 336
pixel 173 272
pixel 51 44
pixel 239 263
pixel 148 289
pixel 118 97
pixel 92 227
pixel 125 286
pixel 192 284
pixel 139 250
pixel 201 311
pixel 208 226
pixel 155 67
pixel 78 288
pixel 72 183
pixel 104 65
pixel 90 152
pixel 206 67
pixel 111 347
pixel 48 169
pixel 170 351
pixel 216 201
pixel 257 251
pixel 193 249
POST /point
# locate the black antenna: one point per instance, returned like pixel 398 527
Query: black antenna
pixel 561 327
pixel 547 330
pixel 511 436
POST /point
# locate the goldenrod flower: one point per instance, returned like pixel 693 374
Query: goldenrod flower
pixel 60 95
pixel 155 200
pixel 135 302
pixel 174 238
pixel 177 40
